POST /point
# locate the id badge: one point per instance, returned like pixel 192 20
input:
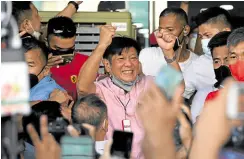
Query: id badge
pixel 126 125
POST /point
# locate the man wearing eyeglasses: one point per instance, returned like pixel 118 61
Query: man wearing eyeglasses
pixel 61 35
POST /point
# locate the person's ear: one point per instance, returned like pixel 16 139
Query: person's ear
pixel 105 125
pixel 107 65
pixel 226 29
pixel 187 30
pixel 26 26
pixel 46 71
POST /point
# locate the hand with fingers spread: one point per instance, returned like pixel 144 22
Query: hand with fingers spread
pixel 54 60
pixel 107 33
pixel 45 146
pixel 154 102
pixel 158 115
pixel 213 128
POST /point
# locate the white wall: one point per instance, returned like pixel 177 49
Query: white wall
pixel 159 7
pixel 60 5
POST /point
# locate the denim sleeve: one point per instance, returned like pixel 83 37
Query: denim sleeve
pixel 40 96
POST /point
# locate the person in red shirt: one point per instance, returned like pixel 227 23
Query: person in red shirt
pixel 61 35
pixel 235 44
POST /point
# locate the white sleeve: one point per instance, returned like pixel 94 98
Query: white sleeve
pixel 198 102
pixel 205 76
pixel 151 60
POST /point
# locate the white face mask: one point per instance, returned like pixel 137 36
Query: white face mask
pixel 205 48
pixel 192 42
pixel 35 33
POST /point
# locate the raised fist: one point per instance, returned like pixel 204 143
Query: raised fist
pixel 166 41
pixel 107 33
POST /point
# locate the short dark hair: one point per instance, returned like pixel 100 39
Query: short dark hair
pixel 21 11
pixel 236 37
pixel 29 42
pixel 49 108
pixel 118 45
pixel 61 26
pixel 180 13
pixel 214 15
pixel 218 40
pixel 89 109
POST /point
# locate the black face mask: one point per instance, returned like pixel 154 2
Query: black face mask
pixel 176 46
pixel 33 80
pixel 221 74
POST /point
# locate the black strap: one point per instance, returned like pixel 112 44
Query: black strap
pixel 75 4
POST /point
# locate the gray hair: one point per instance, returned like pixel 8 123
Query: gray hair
pixel 236 37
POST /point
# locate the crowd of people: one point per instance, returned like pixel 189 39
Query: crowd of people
pixel 209 55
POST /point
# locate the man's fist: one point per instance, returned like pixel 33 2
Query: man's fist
pixel 107 33
pixel 165 40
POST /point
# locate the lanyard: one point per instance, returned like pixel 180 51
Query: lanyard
pixel 125 106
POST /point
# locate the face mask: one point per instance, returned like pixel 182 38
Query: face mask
pixel 205 48
pixel 237 70
pixel 35 33
pixel 221 74
pixel 127 86
pixel 33 80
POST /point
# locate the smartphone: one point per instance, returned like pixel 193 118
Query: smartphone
pixel 122 144
pixel 77 147
pixel 235 101
pixel 67 58
pixel 168 79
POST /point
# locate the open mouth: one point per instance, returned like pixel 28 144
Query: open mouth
pixel 127 72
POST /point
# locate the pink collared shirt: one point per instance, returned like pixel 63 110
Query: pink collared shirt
pixel 110 93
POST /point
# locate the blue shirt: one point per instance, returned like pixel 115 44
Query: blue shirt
pixel 29 152
pixel 43 89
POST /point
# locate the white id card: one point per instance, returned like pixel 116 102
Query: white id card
pixel 126 125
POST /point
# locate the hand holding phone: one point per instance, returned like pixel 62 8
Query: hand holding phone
pixel 122 144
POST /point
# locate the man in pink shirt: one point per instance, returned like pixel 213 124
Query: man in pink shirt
pixel 121 90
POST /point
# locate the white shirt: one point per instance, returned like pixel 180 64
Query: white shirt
pixel 152 60
pixel 99 146
pixel 199 100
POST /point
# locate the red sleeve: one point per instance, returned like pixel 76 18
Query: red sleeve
pixel 212 96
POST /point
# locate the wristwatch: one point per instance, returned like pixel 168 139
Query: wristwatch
pixel 75 4
pixel 170 60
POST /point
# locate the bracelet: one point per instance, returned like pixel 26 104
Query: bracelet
pixel 75 4
pixel 170 60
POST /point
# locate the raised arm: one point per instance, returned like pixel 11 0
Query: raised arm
pixel 88 72
pixel 69 10
pixel 185 6
pixel 166 42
